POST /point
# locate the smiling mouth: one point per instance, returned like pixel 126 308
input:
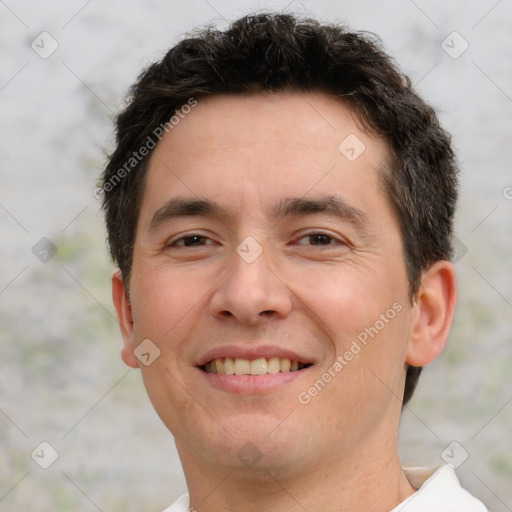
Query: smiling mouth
pixel 259 366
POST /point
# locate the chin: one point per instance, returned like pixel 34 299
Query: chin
pixel 259 444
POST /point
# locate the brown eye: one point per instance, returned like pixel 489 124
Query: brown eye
pixel 317 239
pixel 191 241
pixel 320 239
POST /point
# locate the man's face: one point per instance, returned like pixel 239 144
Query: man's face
pixel 261 241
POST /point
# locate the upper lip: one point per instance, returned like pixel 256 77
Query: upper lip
pixel 251 352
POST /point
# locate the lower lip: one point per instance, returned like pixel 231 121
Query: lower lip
pixel 244 384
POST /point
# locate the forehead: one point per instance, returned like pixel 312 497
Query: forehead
pixel 289 117
pixel 265 146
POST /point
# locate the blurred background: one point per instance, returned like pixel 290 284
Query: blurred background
pixel 64 72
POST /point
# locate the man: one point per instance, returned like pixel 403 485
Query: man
pixel 280 207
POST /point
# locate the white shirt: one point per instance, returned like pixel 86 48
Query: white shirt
pixel 439 490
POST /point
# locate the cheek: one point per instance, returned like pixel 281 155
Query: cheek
pixel 165 310
pixel 365 318
pixel 369 319
pixel 177 408
pixel 343 299
pixel 166 304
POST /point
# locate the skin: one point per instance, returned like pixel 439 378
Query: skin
pixel 313 295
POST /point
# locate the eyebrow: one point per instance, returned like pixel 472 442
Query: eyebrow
pixel 330 205
pixel 183 207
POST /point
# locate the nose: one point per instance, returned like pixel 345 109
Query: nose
pixel 251 292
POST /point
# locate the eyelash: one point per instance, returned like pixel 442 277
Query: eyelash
pixel 176 243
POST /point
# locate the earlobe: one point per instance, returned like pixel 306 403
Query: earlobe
pixel 433 314
pixel 124 315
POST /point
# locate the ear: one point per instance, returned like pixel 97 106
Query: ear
pixel 433 313
pixel 124 314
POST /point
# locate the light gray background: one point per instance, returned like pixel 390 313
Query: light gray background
pixel 61 378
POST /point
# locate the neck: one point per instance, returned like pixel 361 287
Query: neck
pixel 348 482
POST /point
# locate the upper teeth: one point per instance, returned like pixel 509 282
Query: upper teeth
pixel 260 366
